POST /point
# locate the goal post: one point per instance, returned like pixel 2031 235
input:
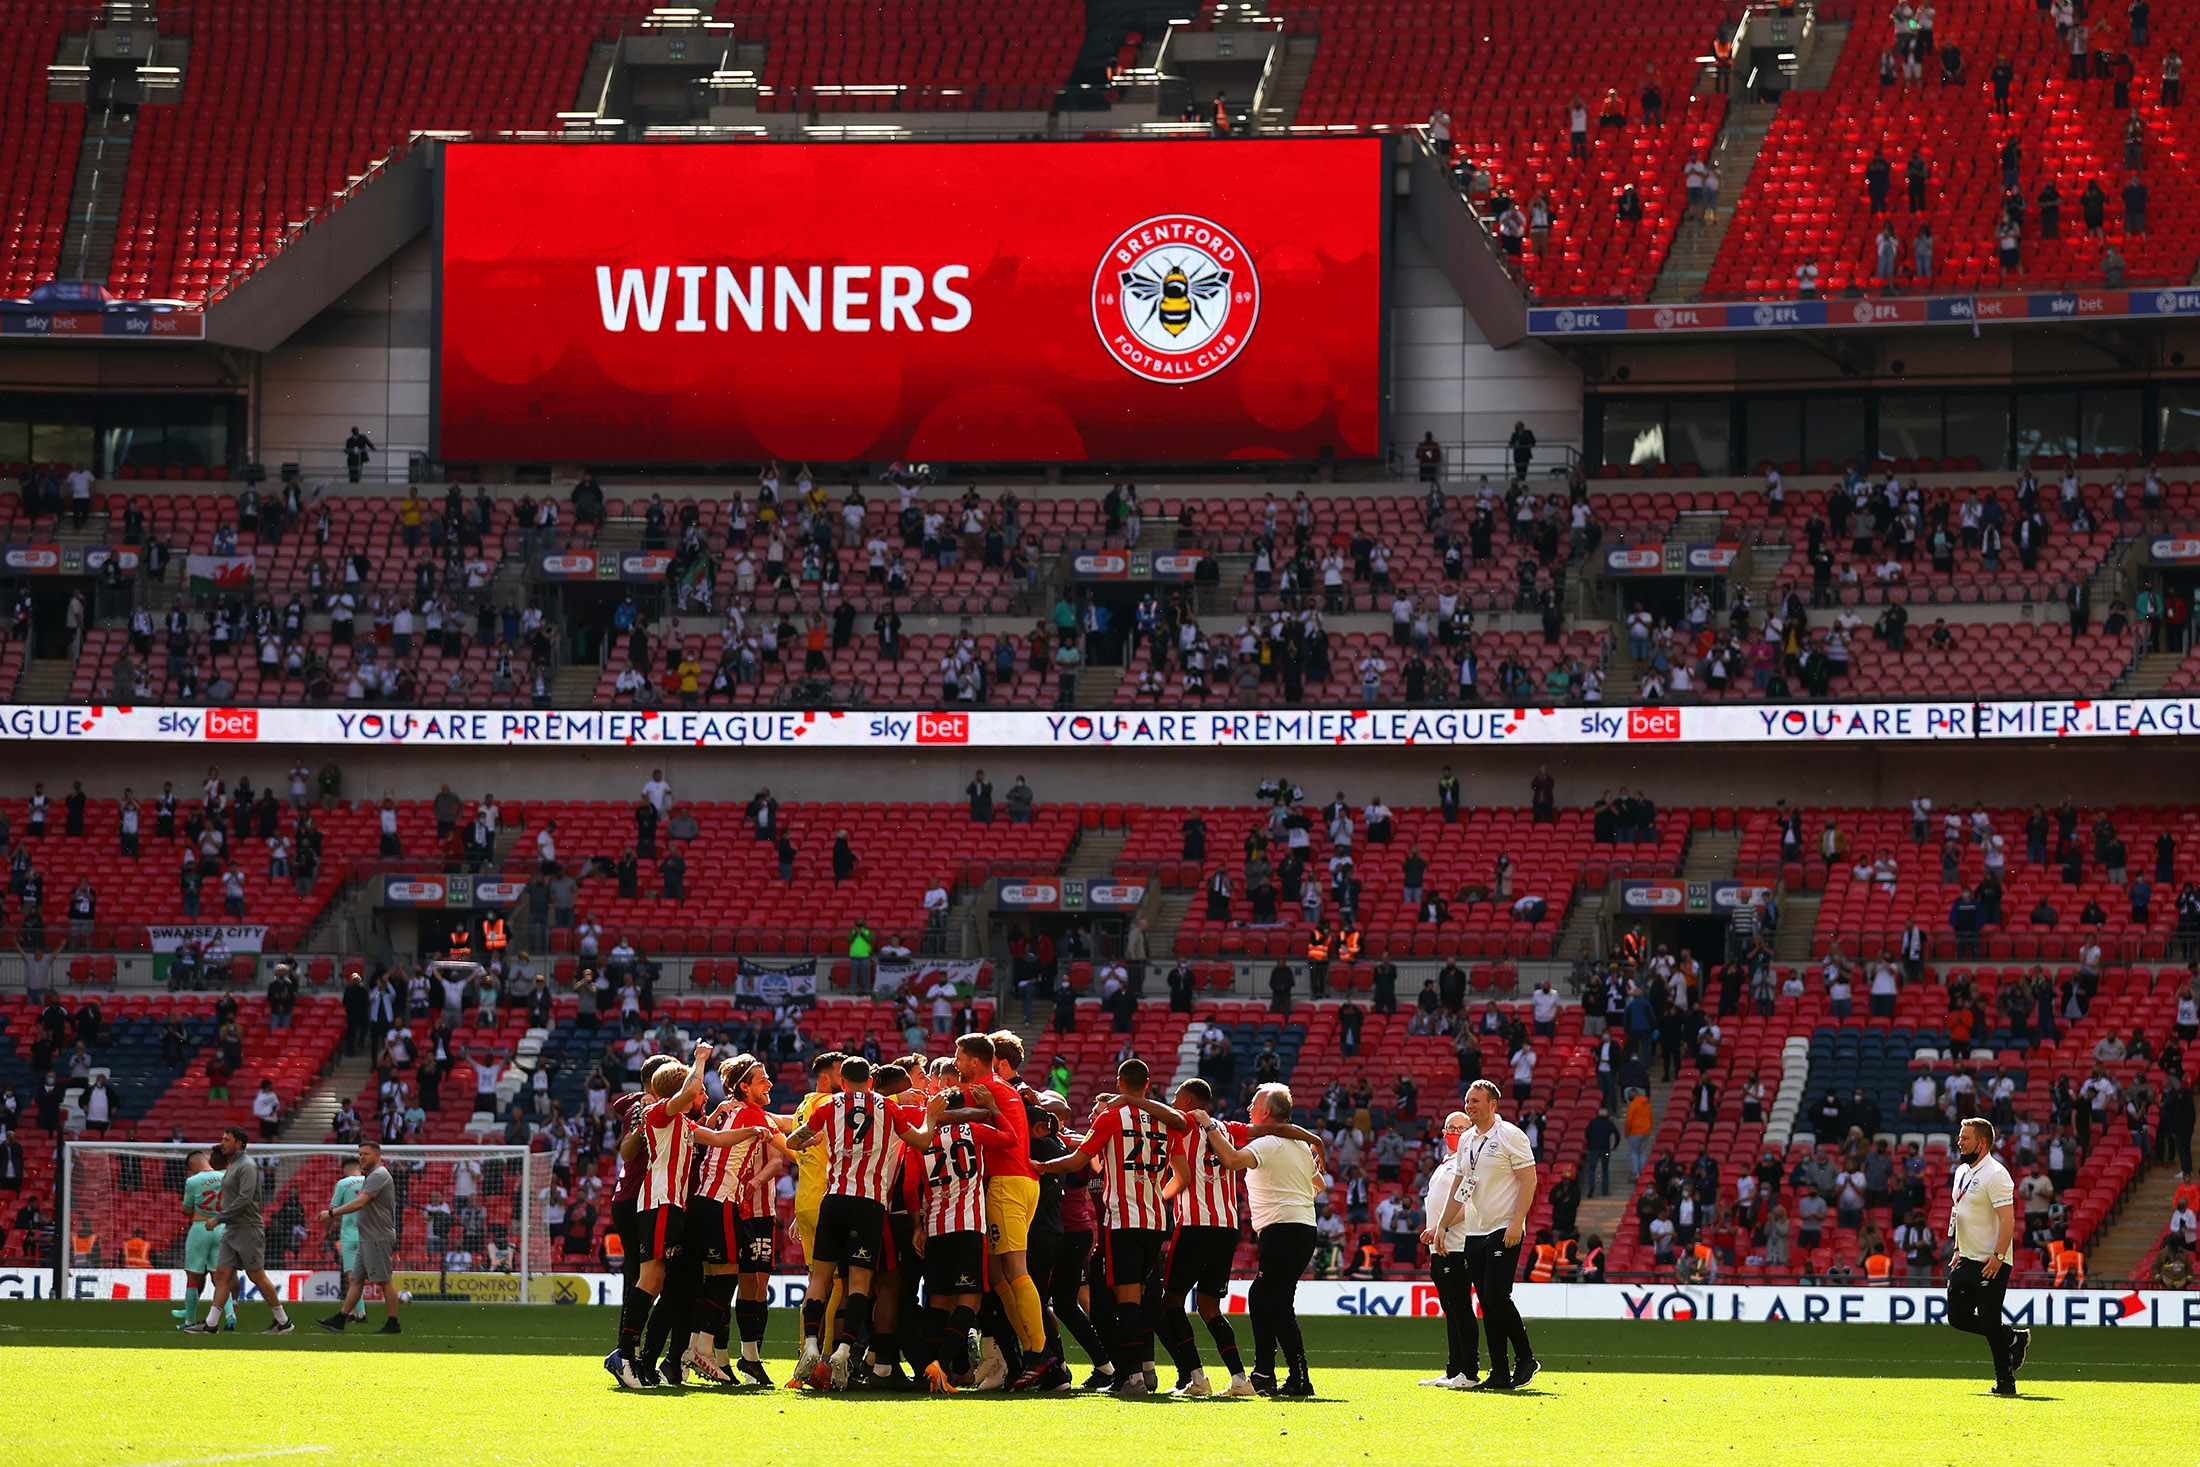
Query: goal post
pixel 470 1220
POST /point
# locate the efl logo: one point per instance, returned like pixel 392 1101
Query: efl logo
pixel 416 892
pixel 232 725
pixel 30 558
pixel 1030 894
pixel 1657 895
pixel 1653 723
pixel 943 728
pixel 1109 894
pixel 1175 298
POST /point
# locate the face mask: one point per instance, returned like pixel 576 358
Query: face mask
pixel 1972 1158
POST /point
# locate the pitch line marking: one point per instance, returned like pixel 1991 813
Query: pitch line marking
pixel 231 1457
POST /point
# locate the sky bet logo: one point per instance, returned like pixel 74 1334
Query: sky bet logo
pixel 943 728
pixel 232 725
pixel 1653 723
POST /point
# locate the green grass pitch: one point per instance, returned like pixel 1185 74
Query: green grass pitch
pixel 112 1385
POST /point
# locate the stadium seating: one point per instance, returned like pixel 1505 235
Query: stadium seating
pixel 1806 194
pixel 1547 861
pixel 140 890
pixel 281 107
pixel 1866 919
pixel 35 136
pixel 1506 75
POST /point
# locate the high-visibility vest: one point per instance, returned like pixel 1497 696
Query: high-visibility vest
pixel 1877 1267
pixel 1317 948
pixel 1546 1264
pixel 1569 1254
pixel 461 945
pixel 83 1245
pixel 614 1247
pixel 492 934
pixel 137 1253
pixel 2070 1265
pixel 1351 941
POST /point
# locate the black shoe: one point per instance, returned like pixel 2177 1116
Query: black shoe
pixel 334 1324
pixel 1099 1380
pixel 753 1372
pixel 1525 1372
pixel 672 1372
pixel 2024 1347
pixel 1297 1386
pixel 1494 1381
pixel 390 1327
pixel 1263 1381
pixel 279 1327
pixel 647 1375
pixel 2003 1388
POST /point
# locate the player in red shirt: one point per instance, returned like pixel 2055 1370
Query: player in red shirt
pixel 851 1221
pixel 735 1217
pixel 1205 1243
pixel 1129 1141
pixel 987 1064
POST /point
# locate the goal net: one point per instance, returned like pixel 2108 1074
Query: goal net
pixel 469 1221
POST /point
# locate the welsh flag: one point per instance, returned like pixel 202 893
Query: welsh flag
pixel 219 572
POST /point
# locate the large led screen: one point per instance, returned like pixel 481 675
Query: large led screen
pixel 1054 302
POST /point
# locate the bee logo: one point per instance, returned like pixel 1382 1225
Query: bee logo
pixel 1175 299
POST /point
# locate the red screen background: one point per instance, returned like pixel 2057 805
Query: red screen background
pixel 527 370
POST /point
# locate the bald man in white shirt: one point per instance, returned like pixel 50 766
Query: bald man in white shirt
pixel 1982 1218
pixel 1494 1193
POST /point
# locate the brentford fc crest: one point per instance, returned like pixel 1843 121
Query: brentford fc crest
pixel 1175 298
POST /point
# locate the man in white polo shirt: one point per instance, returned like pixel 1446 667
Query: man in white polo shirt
pixel 1448 1270
pixel 1495 1190
pixel 1982 1217
pixel 1281 1178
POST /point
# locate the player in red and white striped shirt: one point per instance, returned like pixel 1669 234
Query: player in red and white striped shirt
pixel 669 1137
pixel 866 1131
pixel 733 1218
pixel 1205 1243
pixel 1129 1142
pixel 951 1234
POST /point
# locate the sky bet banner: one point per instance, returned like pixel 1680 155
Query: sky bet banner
pixel 1401 1299
pixel 992 301
pixel 1731 723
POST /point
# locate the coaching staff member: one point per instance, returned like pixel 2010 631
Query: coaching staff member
pixel 1448 1271
pixel 1982 1217
pixel 1495 1189
pixel 1281 1178
pixel 376 1204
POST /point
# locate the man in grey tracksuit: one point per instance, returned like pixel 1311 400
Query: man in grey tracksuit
pixel 244 1237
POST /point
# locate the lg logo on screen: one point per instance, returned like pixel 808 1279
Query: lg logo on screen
pixel 1653 723
pixel 1175 298
pixel 233 725
pixel 943 728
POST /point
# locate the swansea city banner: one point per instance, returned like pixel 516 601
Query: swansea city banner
pixel 777 983
pixel 238 937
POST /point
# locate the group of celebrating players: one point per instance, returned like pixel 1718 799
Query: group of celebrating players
pixel 948 1220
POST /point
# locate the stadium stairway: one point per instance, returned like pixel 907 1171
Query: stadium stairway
pixel 312 1118
pixel 1094 857
pixel 1827 41
pixel 1711 855
pixel 2120 1251
pixel 1606 1216
pixel 2149 675
pixel 1696 245
pixel 1798 921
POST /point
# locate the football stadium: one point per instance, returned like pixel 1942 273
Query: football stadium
pixel 732 713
